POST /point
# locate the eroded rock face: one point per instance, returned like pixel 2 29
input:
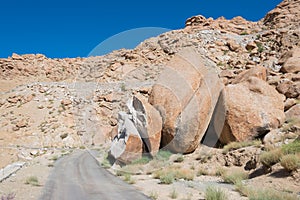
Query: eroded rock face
pixel 139 131
pixel 185 96
pixel 251 109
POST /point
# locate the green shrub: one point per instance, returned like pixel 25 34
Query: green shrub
pixel 271 195
pixel 291 148
pixel 128 178
pixel 32 180
pixel 141 161
pixel 163 155
pixel 290 162
pixel 270 158
pixel 179 159
pixel 235 177
pixel 167 178
pixel 173 194
pixel 201 172
pixel 153 195
pixel 185 174
pixel 213 193
pixel 170 174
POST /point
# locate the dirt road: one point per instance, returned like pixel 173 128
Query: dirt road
pixel 79 177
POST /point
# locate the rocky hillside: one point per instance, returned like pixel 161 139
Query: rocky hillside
pixel 213 82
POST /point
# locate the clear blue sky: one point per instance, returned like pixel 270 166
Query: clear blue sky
pixel 73 28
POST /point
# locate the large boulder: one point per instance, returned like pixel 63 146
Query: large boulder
pixel 148 123
pixel 185 95
pixel 258 71
pixel 139 131
pixel 127 145
pixel 291 61
pixel 250 108
pixel 293 115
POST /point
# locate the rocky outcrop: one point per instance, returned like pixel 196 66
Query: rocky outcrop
pixel 251 109
pixel 285 14
pixel 185 96
pixel 236 25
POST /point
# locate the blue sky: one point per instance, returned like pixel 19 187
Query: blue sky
pixel 73 28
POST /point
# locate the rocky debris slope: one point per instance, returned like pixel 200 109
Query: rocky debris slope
pixel 76 101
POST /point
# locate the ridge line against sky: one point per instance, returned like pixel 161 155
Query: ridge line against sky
pixel 61 29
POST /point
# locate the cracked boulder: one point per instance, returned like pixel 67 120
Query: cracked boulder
pixel 185 95
pixel 139 131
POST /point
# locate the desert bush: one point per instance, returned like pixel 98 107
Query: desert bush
pixel 270 158
pixel 290 162
pixel 237 145
pixel 128 178
pixel 141 161
pixel 153 195
pixel 220 171
pixel 179 159
pixel 185 174
pixel 163 155
pixel 291 148
pixel 167 178
pixel 270 195
pixel 32 180
pixel 234 177
pixel 201 171
pixel 168 175
pixel 213 193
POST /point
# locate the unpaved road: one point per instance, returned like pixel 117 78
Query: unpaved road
pixel 80 177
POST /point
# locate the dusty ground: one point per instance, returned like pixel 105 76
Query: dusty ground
pixel 143 177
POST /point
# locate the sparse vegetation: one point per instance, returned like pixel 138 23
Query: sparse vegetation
pixel 128 178
pixel 105 162
pixel 54 158
pixel 213 193
pixel 141 161
pixel 202 171
pixel 173 194
pixel 237 145
pixel 270 158
pixel 170 174
pixel 290 162
pixel 220 171
pixel 163 155
pixel 32 180
pixel 123 87
pixel 270 194
pixel 291 148
pixel 234 177
pixel 167 178
pixel 244 33
pixel 153 195
pixel 260 47
pixel 179 159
